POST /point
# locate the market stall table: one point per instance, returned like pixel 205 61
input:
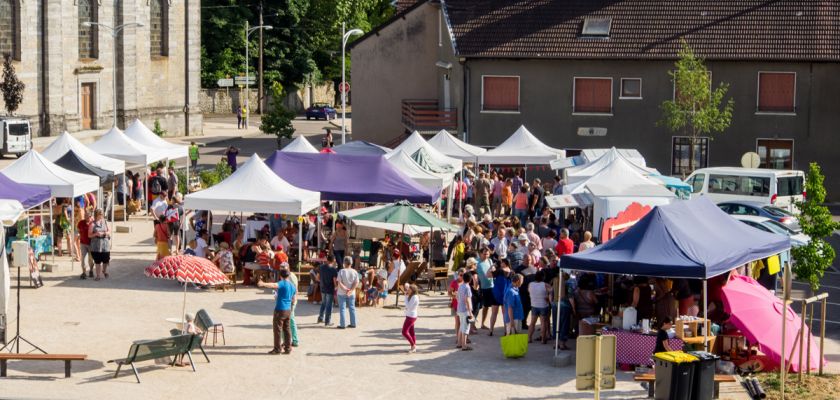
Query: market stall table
pixel 635 348
pixel 39 244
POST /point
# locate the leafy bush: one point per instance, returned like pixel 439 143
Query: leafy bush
pixel 213 176
pixel 278 121
pixel 158 130
pixel 815 257
pixel 182 180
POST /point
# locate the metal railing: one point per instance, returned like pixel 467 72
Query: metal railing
pixel 424 114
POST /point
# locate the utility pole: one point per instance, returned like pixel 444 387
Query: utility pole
pixel 260 92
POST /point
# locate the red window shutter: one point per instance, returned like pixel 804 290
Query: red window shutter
pixel 501 93
pixel 776 92
pixel 593 95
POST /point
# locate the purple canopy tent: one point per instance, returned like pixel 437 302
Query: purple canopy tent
pixel 349 177
pixel 28 195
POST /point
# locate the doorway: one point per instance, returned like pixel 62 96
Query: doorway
pixel 775 153
pixel 88 94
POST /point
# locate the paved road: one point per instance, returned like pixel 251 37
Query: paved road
pixel 252 141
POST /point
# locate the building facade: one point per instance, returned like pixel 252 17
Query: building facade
pixel 67 62
pixel 594 74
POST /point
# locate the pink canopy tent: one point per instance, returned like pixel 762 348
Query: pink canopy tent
pixel 758 314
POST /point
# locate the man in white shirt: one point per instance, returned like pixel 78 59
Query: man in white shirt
pixel 347 281
pixel 500 244
pixel 201 243
pixel 159 205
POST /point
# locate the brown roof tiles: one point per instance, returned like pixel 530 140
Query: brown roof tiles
pixel 775 30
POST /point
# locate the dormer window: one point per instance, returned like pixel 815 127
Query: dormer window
pixel 596 27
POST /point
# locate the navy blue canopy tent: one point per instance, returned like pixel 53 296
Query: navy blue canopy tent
pixel 360 147
pixel 685 239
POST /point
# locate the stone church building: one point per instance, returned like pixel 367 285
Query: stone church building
pixel 66 59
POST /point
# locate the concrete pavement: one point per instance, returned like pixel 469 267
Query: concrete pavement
pixel 103 318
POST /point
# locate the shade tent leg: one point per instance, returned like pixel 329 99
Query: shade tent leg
pixel 785 297
pixel 72 236
pixel 113 200
pixel 52 228
pixel 705 315
pixel 402 256
pixel 557 299
pixel 300 245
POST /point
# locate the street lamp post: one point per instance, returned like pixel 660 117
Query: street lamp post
pixel 343 88
pixel 115 31
pixel 248 32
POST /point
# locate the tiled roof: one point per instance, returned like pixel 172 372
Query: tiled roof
pixel 404 4
pixel 775 30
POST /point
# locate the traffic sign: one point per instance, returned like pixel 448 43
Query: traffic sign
pixel 344 87
pixel 226 82
pixel 240 80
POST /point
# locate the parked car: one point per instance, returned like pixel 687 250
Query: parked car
pixel 321 110
pixel 769 225
pixel 761 210
pixel 781 188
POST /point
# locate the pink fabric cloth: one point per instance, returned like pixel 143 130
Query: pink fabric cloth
pixel 758 314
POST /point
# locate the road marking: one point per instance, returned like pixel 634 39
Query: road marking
pixel 821 286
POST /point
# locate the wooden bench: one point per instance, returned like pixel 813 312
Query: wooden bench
pixel 145 350
pixel 67 358
pixel 651 379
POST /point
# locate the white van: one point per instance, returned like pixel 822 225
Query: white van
pixel 15 136
pixel 781 188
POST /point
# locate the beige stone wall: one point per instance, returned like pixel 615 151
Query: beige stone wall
pixel 149 88
pixel 225 101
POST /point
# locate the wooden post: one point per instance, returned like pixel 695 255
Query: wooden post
pixel 802 336
pixel 785 302
pixel 597 367
pixel 808 352
pixel 822 333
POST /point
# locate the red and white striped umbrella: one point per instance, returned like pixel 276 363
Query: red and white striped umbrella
pixel 191 269
pixel 187 269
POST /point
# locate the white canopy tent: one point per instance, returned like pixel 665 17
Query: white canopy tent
pixel 35 169
pixel 415 142
pixel 521 148
pixel 453 147
pixel 254 188
pixel 116 144
pixel 403 162
pixel 66 143
pixel 582 172
pixel 615 187
pixel 10 211
pixel 633 155
pixel 140 133
pixel 300 145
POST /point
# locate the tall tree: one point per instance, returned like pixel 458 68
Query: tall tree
pixel 815 219
pixel 697 109
pixel 11 86
pixel 303 46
